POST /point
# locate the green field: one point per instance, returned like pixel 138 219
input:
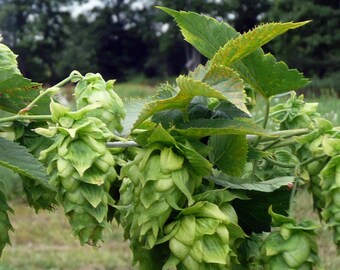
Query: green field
pixel 44 241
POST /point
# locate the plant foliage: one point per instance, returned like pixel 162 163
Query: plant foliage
pixel 202 185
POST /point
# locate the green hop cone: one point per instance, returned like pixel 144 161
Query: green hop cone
pixel 330 185
pixel 81 169
pixel 157 181
pixel 316 190
pixel 293 246
pixel 295 113
pixel 93 89
pixel 203 237
pixel 5 224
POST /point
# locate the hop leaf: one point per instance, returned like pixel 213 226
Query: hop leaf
pixel 5 224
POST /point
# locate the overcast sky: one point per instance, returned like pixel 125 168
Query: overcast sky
pixel 77 9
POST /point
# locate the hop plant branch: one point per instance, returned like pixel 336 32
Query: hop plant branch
pixel 74 76
pixel 19 117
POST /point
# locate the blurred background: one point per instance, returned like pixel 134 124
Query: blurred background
pixel 140 46
pixel 131 39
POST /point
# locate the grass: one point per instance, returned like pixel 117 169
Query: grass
pixel 44 241
pixel 327 250
pixel 134 90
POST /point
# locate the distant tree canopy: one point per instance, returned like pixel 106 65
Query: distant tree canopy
pixel 314 48
pixel 125 38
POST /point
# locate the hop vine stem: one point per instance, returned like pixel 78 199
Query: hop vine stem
pixel 19 117
pixel 292 198
pixel 74 76
pixel 265 119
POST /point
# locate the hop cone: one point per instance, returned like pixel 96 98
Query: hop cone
pixel 5 224
pixel 314 170
pixel 295 113
pixel 157 181
pixel 292 247
pixel 81 168
pixel 93 89
pixel 330 185
pixel 316 190
pixel 203 237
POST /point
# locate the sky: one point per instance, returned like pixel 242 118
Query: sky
pixel 78 9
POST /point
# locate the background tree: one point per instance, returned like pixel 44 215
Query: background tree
pixel 312 49
pixel 37 31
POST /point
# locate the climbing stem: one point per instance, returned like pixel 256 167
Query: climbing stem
pixel 280 164
pixel 265 119
pixel 312 159
pixel 292 197
pixel 74 76
pixel 25 117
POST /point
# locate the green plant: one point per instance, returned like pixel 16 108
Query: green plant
pixel 195 182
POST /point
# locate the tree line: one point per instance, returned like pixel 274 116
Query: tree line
pixel 127 38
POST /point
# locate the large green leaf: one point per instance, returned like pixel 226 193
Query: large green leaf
pixel 207 127
pixel 16 91
pixel 245 44
pixel 208 35
pixel 5 224
pixel 9 64
pixel 246 184
pixel 189 88
pixel 18 159
pixel 229 153
pixel 268 76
